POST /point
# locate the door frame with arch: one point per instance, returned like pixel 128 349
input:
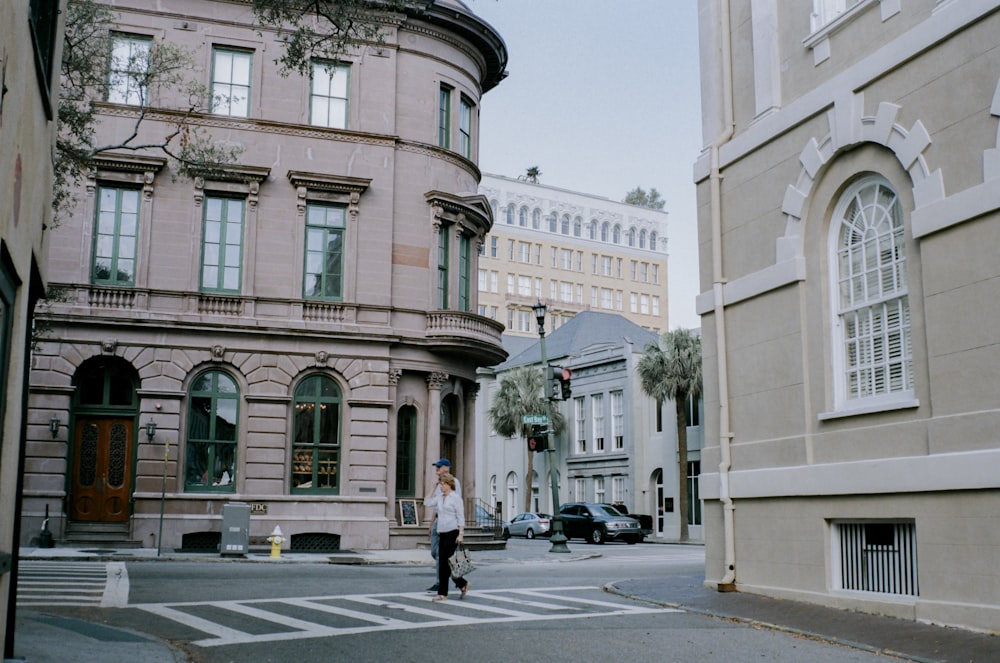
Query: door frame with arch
pixel 103 445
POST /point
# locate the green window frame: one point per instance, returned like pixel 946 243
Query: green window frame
pixel 444 117
pixel 465 128
pixel 316 436
pixel 115 236
pixel 222 244
pixel 328 95
pixel 128 67
pixel 324 252
pixel 464 277
pixel 231 73
pixel 212 433
pixel 443 272
pixel 406 451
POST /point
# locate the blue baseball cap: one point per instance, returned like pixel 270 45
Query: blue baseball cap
pixel 444 462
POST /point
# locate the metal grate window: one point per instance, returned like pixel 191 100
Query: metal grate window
pixel 877 557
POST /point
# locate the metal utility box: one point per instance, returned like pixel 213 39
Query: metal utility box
pixel 235 529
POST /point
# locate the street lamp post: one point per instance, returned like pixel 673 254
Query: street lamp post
pixel 557 538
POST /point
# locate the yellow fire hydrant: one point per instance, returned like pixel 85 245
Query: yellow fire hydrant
pixel 276 539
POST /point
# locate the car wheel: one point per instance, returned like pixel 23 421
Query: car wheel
pixel 597 535
pixel 506 533
pixel 530 533
pixel 631 542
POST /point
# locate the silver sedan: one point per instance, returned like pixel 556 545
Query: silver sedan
pixel 529 525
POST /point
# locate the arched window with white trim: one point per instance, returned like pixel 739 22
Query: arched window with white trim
pixel 872 352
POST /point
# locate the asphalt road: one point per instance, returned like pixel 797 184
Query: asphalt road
pixel 526 604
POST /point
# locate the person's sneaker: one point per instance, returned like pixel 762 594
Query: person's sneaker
pixel 433 588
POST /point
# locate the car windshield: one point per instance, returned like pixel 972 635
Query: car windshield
pixel 607 511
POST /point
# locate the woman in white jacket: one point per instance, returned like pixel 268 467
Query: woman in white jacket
pixel 451 527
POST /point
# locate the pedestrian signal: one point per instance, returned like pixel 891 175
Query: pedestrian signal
pixel 538 439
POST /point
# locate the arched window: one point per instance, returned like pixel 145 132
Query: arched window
pixel 493 490
pixel 873 356
pixel 631 236
pixel 564 226
pixel 577 227
pixel 496 207
pixel 605 227
pixel 536 218
pixel 522 217
pixel 406 451
pixel 642 239
pixel 212 426
pixel 553 222
pixel 316 435
pixel 616 234
pixel 592 230
pixel 510 215
pixel 652 241
pixel 512 508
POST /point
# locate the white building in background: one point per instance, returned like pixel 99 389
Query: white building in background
pixel 619 447
pixel 574 251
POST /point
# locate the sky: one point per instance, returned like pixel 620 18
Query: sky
pixel 603 96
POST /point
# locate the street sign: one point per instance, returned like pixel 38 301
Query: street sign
pixel 535 420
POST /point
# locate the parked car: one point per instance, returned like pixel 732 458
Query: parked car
pixel 598 523
pixel 528 524
pixel 488 521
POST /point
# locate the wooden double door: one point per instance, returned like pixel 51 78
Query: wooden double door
pixel 102 469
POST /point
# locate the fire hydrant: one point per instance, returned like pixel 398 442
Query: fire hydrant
pixel 276 539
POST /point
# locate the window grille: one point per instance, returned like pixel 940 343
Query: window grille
pixel 877 557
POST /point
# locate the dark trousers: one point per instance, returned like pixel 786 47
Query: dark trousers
pixel 447 544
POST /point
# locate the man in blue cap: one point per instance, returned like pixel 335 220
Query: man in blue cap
pixel 442 466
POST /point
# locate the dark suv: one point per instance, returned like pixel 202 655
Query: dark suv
pixel 598 523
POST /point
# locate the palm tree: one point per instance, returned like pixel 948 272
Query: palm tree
pixel 522 392
pixel 532 174
pixel 672 370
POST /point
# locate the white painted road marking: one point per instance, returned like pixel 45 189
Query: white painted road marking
pixel 48 583
pixel 556 603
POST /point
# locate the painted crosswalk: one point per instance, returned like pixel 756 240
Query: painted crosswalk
pixel 73 583
pixel 270 620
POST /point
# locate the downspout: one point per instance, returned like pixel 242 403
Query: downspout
pixel 728 581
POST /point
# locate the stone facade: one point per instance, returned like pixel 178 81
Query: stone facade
pixel 848 222
pixel 278 314
pixel 29 74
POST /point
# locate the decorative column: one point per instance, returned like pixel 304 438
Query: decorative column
pixel 432 443
pixel 467 450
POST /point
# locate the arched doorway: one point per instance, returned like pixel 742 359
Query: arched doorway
pixel 105 407
pixel 657 481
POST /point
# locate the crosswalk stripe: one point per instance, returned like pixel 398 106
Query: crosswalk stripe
pixel 449 613
pixel 84 584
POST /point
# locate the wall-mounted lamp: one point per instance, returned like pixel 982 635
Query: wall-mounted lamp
pixel 54 424
pixel 150 429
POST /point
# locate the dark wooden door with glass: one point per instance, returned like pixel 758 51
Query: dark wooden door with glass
pixel 102 448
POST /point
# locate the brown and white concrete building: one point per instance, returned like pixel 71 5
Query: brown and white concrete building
pixel 298 331
pixel 575 252
pixel 849 221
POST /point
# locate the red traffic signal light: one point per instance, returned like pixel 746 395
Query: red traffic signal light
pixel 561 383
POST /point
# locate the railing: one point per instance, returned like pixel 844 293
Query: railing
pixel 879 557
pixel 483 517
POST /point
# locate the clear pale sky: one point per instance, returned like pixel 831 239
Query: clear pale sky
pixel 603 96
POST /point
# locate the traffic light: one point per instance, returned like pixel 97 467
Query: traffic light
pixel 560 378
pixel 538 440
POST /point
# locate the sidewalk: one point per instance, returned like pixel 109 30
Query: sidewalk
pixel 42 638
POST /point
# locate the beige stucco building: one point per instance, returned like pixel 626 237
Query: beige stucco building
pixel 849 214
pixel 297 331
pixel 30 35
pixel 573 251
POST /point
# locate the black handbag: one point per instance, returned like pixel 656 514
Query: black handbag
pixel 461 563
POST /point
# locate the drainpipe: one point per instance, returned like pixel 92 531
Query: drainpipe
pixel 728 581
